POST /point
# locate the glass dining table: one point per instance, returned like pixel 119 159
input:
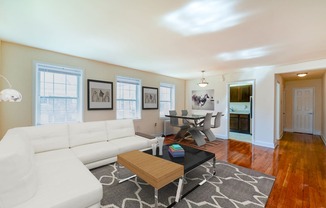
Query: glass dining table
pixel 192 128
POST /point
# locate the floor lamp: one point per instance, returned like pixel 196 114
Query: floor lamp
pixel 9 94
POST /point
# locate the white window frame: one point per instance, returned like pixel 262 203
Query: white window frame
pixel 42 67
pixel 172 98
pixel 137 83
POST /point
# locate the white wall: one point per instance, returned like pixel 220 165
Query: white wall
pixel 17 66
pixel 263 101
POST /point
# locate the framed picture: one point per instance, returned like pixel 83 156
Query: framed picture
pixel 203 99
pixel 150 98
pixel 99 95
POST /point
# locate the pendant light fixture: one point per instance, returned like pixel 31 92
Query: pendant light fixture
pixel 202 82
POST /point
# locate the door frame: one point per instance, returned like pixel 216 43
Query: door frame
pixel 313 108
pixel 278 112
pixel 253 84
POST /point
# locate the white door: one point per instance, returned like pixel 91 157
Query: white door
pixel 303 111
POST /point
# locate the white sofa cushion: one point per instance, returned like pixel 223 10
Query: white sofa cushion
pixel 47 137
pixel 120 128
pixel 18 178
pixel 88 132
pixel 54 157
pixel 131 143
pixel 95 152
pixel 64 182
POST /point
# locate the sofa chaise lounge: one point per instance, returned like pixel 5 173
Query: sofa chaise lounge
pixel 48 166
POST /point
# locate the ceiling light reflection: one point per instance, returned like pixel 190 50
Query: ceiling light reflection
pixel 204 16
pixel 250 69
pixel 244 54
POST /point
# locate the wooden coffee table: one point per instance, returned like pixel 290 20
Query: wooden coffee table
pixel 155 171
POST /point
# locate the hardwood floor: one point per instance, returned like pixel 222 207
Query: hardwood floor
pixel 298 163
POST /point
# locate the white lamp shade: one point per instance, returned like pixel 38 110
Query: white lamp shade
pixel 203 84
pixel 10 95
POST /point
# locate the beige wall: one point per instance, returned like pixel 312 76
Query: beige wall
pixel 309 66
pixel 17 66
pixel 316 84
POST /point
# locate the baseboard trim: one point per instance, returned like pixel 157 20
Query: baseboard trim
pixel 264 144
pixel 221 136
pixel 281 136
pixel 315 132
pixel 288 130
pixel 323 138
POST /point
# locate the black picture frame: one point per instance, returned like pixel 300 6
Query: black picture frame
pixel 150 98
pixel 99 95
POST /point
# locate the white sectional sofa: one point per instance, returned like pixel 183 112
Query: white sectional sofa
pixel 48 166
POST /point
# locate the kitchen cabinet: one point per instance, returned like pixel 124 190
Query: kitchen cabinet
pixel 234 94
pixel 240 93
pixel 244 123
pixel 240 123
pixel 234 122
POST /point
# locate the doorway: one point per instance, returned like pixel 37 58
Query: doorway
pixel 240 111
pixel 303 110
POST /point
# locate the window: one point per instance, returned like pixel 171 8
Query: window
pixel 58 94
pixel 128 98
pixel 167 98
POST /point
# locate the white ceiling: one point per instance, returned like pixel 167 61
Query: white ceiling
pixel 173 38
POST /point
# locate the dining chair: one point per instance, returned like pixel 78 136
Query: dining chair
pixel 183 131
pixel 206 127
pixel 173 121
pixel 184 113
pixel 195 131
pixel 207 122
pixel 217 120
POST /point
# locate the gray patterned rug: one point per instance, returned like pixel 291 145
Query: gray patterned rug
pixel 232 186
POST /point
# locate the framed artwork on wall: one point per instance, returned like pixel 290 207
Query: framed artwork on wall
pixel 203 99
pixel 149 98
pixel 99 95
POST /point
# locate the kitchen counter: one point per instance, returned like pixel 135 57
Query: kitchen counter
pixel 240 112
